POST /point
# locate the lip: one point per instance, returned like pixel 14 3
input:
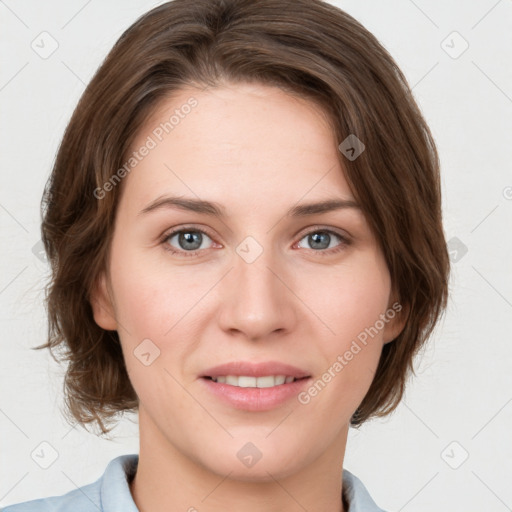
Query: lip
pixel 255 369
pixel 255 399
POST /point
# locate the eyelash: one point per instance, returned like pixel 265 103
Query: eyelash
pixel 345 242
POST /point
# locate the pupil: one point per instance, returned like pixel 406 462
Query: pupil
pixel 190 237
pixel 317 242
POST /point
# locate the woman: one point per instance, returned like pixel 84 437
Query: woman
pixel 244 227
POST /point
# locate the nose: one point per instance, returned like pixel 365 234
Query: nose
pixel 257 299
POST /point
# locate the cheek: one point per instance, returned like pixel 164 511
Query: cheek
pixel 350 298
pixel 151 299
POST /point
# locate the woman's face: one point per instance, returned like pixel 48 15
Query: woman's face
pixel 257 280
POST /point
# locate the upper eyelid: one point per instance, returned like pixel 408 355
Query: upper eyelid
pixel 173 232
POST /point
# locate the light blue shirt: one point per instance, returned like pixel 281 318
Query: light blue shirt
pixel 111 493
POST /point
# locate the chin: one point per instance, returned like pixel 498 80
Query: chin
pixel 260 461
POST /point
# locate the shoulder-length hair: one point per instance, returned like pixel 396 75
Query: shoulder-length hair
pixel 308 48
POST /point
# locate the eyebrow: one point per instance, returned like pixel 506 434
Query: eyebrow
pixel 217 210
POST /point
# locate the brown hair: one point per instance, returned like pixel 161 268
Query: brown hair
pixel 306 47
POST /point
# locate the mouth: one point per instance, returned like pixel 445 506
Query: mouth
pixel 254 386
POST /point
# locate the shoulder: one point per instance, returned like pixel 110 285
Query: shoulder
pixel 100 496
pixel 357 495
pixel 84 499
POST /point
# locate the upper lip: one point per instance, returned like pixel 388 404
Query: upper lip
pixel 255 369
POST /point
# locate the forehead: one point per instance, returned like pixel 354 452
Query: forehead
pixel 242 140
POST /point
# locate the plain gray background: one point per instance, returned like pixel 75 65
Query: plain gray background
pixel 449 444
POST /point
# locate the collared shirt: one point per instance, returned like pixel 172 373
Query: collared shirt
pixel 111 493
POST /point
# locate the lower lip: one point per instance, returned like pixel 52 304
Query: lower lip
pixel 255 399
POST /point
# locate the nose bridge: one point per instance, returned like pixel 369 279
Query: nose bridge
pixel 257 301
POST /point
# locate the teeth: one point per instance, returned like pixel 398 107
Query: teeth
pixel 245 381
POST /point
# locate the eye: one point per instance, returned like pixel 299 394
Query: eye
pixel 188 240
pixel 321 239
